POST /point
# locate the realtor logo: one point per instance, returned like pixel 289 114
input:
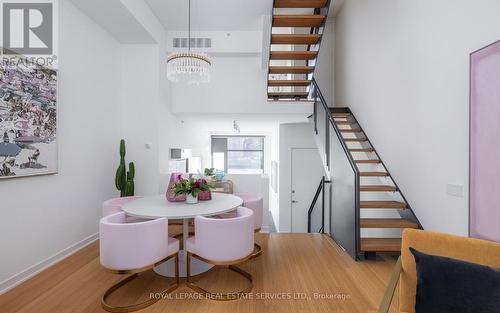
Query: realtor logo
pixel 27 28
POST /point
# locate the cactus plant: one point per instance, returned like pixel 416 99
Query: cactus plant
pixel 124 180
pixel 129 185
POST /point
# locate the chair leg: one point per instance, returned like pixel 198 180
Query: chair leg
pixel 177 269
pixel 135 307
pixel 219 296
pixel 188 268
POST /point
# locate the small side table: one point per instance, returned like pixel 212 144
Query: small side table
pixel 225 186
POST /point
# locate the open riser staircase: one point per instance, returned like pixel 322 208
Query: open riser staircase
pixel 296 32
pixel 384 211
pixel 373 218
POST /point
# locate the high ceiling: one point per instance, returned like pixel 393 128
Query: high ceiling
pixel 211 15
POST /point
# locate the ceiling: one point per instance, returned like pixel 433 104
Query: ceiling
pixel 211 15
pixel 114 17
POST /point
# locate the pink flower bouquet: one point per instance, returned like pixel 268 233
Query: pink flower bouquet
pixel 192 186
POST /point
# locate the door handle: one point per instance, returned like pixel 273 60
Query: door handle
pixel 293 201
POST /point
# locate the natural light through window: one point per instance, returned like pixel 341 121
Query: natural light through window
pixel 218 160
pixel 238 154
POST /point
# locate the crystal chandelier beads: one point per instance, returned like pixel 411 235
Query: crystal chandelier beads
pixel 189 67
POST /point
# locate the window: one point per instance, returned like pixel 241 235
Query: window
pixel 238 154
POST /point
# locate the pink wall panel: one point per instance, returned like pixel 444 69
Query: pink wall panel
pixel 485 143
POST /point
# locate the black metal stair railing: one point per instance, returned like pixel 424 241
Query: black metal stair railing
pixel 319 190
pixel 345 206
pixel 345 179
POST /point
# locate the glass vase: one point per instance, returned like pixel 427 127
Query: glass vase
pixel 190 199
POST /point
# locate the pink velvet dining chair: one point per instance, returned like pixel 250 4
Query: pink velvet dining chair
pixel 224 243
pixel 114 205
pixel 134 248
pixel 256 204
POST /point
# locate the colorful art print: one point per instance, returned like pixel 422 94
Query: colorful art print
pixel 28 119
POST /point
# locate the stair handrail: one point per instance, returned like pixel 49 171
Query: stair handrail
pixel 316 90
pixel 320 189
pixel 313 203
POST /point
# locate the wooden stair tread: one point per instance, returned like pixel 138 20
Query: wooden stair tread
pixel 292 82
pixel 298 20
pixel 387 223
pixel 367 161
pixel 300 3
pixel 291 69
pixel 381 244
pixel 288 94
pixel 382 205
pixel 355 139
pixel 361 150
pixel 341 115
pixel 344 123
pixel 378 188
pixel 374 174
pixel 293 55
pixel 350 131
pixel 295 39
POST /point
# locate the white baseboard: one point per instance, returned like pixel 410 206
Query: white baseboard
pixel 20 277
pixel 264 229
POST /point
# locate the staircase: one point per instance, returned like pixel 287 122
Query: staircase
pixel 367 211
pixel 373 212
pixel 296 31
pixel 383 207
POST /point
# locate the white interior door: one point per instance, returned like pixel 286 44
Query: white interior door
pixel 307 171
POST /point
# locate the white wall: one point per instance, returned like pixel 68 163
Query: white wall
pixel 43 215
pixel 293 135
pixel 140 103
pixel 147 123
pixel 403 68
pixel 238 85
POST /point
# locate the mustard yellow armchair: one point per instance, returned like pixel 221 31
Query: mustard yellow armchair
pixel 466 249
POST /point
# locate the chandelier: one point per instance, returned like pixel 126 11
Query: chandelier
pixel 188 66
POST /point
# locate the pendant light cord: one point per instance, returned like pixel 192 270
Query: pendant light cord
pixel 189 25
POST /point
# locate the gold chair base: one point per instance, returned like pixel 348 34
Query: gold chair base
pixel 257 251
pixel 136 273
pixel 219 296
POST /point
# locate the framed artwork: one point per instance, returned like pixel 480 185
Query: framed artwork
pixel 484 168
pixel 28 119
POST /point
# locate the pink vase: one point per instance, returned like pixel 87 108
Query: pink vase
pixel 205 195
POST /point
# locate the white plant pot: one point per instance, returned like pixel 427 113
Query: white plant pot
pixel 191 200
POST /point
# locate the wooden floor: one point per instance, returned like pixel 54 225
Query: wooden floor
pixel 292 265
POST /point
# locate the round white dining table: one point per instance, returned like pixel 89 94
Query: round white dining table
pixel 151 207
